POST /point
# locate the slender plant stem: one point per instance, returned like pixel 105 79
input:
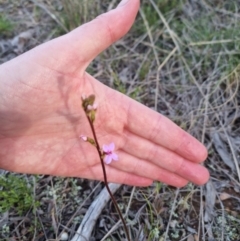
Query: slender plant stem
pixel 105 179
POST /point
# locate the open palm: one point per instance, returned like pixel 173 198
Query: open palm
pixel 41 118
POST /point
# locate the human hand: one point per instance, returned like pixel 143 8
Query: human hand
pixel 41 117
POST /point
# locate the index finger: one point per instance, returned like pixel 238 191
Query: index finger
pixel 149 124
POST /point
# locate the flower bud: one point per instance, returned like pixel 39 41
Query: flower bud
pixel 84 138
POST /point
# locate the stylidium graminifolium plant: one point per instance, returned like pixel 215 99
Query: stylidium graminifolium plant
pixel 90 108
pixel 106 153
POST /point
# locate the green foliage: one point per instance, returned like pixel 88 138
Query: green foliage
pixel 76 12
pixel 118 85
pixel 221 38
pixel 154 234
pixel 144 71
pixel 230 225
pixel 230 5
pixel 201 29
pixel 152 16
pixel 90 69
pixel 15 193
pixel 121 87
pixel 164 6
pixel 5 25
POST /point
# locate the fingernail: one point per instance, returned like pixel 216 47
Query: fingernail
pixel 123 2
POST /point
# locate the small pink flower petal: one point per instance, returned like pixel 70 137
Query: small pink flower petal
pixel 106 148
pixel 114 156
pixel 107 159
pixel 90 107
pixel 84 138
pixel 111 146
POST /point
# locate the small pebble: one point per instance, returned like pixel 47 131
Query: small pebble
pixel 64 236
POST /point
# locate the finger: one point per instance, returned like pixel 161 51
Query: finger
pixel 78 48
pixel 116 176
pixel 139 167
pixel 97 35
pixel 128 170
pixel 156 128
pixel 164 158
pixel 70 54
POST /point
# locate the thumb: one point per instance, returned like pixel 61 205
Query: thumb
pixel 71 53
pixel 94 37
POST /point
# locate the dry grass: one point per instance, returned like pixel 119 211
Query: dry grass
pixel 182 59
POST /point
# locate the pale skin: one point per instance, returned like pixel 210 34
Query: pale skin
pixel 41 118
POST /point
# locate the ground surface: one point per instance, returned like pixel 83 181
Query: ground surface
pixel 182 59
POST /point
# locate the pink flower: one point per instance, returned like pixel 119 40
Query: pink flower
pixel 92 107
pixel 84 138
pixel 109 154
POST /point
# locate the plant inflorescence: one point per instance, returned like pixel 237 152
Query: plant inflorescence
pixel 106 154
